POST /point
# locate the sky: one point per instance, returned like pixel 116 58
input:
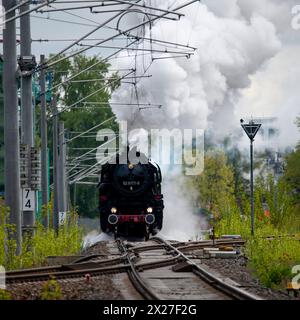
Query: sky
pixel 245 65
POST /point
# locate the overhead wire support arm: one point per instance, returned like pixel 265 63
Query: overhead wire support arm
pixel 114 78
pixel 91 7
pixel 124 104
pixel 187 56
pixel 114 36
pixel 78 8
pixel 104 3
pixel 133 10
pixel 152 8
pixel 93 169
pixel 84 37
pixel 140 49
pixel 138 38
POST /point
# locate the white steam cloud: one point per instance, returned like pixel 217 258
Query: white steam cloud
pixel 201 91
pixel 234 70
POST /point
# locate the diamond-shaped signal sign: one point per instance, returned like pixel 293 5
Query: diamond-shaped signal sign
pixel 251 129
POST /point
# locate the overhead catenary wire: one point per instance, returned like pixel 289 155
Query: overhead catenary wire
pixel 81 17
pixel 126 11
pixel 71 40
pixel 86 157
pixel 112 37
pixel 46 3
pixel 112 4
pixel 86 36
pixel 90 151
pixel 153 8
pixel 91 129
pixel 108 78
pixel 88 96
pixel 63 21
pixel 19 5
pixel 88 69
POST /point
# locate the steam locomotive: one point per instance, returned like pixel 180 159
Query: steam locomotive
pixel 130 198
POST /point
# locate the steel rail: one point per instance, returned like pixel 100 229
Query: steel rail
pixel 230 290
pixel 134 276
pixel 81 269
pixel 189 245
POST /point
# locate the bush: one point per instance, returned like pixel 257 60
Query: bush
pixel 276 213
pixel 270 259
pixel 5 295
pixel 273 259
pixel 51 290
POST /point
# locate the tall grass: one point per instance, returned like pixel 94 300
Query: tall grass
pixel 270 259
pixel 45 243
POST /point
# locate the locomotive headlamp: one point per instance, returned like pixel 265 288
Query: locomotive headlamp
pixel 113 210
pixel 150 210
pixel 113 219
pixel 150 218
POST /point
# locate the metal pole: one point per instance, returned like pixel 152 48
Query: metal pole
pixel 276 178
pixel 26 103
pixel 74 195
pixel 252 187
pixel 55 162
pixel 44 148
pixel 61 187
pixel 26 95
pixel 11 124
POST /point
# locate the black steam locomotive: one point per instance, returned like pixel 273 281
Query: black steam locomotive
pixel 130 198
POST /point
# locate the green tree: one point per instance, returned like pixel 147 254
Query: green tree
pixel 216 183
pixel 298 125
pixel 98 83
pixel 292 171
pixel 292 174
pixel 278 199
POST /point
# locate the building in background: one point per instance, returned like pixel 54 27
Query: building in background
pixel 269 131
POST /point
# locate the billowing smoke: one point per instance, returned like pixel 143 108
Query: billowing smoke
pixel 202 91
pixel 237 43
pixel 273 92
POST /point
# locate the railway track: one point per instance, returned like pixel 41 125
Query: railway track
pixel 183 279
pixel 156 270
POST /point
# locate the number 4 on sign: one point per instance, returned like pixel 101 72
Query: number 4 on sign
pixel 28 202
